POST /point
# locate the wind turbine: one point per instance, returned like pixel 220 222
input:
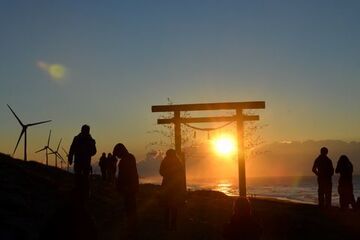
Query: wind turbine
pixel 61 162
pixel 46 148
pixel 24 131
pixel 56 153
pixel 67 156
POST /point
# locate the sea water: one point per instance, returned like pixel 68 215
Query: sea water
pixel 297 189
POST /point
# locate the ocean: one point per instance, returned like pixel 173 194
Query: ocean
pixel 296 189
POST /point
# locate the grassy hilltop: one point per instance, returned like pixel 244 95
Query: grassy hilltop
pixel 31 193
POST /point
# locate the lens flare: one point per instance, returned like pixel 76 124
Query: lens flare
pixel 55 71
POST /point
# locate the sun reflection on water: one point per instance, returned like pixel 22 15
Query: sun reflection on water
pixel 225 187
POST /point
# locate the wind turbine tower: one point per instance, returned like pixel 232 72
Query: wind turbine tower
pixel 24 132
pixel 46 148
pixel 57 154
pixel 67 156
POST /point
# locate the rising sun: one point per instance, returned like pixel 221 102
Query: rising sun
pixel 224 145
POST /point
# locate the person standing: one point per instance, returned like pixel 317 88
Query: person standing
pixel 345 168
pixel 127 184
pixel 324 170
pixel 102 165
pixel 171 169
pixel 112 167
pixel 81 150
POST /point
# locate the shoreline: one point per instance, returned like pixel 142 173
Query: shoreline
pixel 192 188
pixel 304 191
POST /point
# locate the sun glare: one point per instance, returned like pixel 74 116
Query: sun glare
pixel 224 145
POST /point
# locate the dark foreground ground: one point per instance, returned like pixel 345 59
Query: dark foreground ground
pixel 30 193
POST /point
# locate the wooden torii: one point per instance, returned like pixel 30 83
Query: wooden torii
pixel 239 117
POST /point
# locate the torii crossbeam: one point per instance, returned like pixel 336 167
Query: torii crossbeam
pixel 239 117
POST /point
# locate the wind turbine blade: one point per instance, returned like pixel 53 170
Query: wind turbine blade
pixel 67 154
pixel 58 154
pixel 52 151
pixel 58 145
pixel 63 161
pixel 37 123
pixel 41 150
pixel 22 132
pixel 15 115
pixel 49 138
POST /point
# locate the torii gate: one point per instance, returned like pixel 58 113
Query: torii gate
pixel 239 117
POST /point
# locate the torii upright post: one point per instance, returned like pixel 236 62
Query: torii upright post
pixel 177 129
pixel 239 117
pixel 241 152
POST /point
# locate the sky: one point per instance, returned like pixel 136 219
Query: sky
pixel 105 63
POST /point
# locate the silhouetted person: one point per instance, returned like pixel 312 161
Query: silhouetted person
pixel 71 221
pixel 172 186
pixel 345 188
pixel 102 165
pixel 127 184
pixel 243 224
pixel 82 149
pixel 111 167
pixel 324 170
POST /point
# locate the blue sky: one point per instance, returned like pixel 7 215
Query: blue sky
pixel 121 57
